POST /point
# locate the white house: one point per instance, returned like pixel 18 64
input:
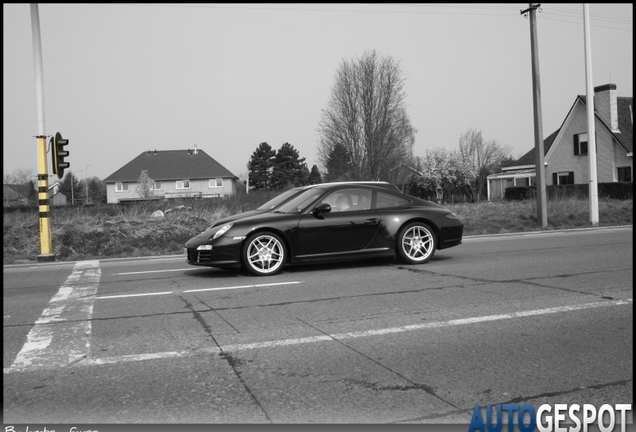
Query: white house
pixel 175 174
pixel 566 150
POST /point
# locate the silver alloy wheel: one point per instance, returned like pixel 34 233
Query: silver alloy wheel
pixel 418 243
pixel 265 254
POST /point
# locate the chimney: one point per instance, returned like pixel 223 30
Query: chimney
pixel 606 106
pixel 195 149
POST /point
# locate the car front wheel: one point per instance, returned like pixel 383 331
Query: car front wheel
pixel 416 243
pixel 264 254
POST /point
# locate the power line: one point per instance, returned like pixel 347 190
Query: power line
pixel 548 12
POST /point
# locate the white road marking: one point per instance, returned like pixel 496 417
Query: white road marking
pixel 244 286
pixel 198 290
pixel 340 336
pixel 62 334
pixel 157 271
pixel 134 295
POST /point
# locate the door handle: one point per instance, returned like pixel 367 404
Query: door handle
pixel 372 221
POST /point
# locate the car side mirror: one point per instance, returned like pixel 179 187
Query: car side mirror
pixel 322 208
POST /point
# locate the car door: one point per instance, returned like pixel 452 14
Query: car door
pixel 339 231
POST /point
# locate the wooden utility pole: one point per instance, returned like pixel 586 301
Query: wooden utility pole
pixel 542 208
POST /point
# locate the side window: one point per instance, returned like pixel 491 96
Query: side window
pixel 349 200
pixel 386 200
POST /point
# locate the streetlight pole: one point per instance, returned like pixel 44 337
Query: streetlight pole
pixel 86 181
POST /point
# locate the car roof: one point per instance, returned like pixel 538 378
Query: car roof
pixel 381 184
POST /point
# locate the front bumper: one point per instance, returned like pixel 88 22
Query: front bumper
pixel 225 252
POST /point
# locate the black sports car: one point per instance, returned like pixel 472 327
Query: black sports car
pixel 328 222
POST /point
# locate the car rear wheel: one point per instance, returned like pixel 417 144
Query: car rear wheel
pixel 264 254
pixel 416 243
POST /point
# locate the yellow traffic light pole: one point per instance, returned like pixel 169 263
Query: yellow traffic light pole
pixel 46 252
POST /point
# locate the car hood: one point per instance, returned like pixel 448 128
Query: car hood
pixel 232 218
pixel 246 219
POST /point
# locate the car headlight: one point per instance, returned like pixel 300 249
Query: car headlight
pixel 452 216
pixel 222 231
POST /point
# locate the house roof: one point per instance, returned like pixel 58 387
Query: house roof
pixel 529 158
pixel 624 138
pixel 165 165
pixel 16 191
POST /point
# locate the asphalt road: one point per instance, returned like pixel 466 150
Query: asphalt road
pixel 530 318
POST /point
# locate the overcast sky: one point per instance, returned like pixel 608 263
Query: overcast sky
pixel 121 79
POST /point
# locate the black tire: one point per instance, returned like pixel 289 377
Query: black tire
pixel 416 243
pixel 264 254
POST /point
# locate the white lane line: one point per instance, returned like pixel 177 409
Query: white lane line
pixel 156 271
pixel 244 286
pixel 342 336
pixel 134 295
pixel 198 290
pixel 62 334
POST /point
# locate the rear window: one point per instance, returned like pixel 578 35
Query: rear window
pixel 386 200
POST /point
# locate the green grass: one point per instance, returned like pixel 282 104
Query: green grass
pixel 116 231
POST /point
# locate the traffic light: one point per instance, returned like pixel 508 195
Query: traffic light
pixel 59 165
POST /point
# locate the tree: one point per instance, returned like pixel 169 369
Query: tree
pixel 33 192
pixel 366 114
pixel 485 157
pixel 144 190
pixel 450 171
pixel 97 191
pixel 260 166
pixel 287 168
pixel 69 186
pixel 314 176
pixel 19 176
pixel 338 163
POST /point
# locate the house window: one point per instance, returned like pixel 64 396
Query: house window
pixel 183 184
pixel 563 178
pixel 156 185
pixel 217 182
pixel 580 144
pixel 121 187
pixel 624 174
pixel 525 181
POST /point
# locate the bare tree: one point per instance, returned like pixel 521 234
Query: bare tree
pixel 19 176
pixel 485 156
pixel 366 115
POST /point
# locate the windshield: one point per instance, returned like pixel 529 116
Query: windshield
pixel 279 199
pixel 301 201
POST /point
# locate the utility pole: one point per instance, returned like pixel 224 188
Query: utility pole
pixel 542 208
pixel 46 252
pixel 591 126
